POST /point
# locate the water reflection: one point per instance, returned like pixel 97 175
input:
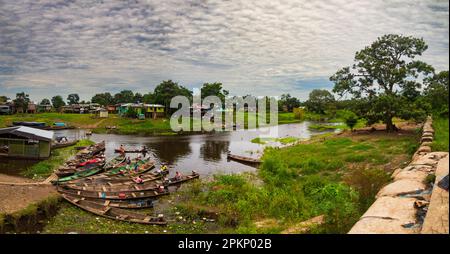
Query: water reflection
pixel 205 153
pixel 212 150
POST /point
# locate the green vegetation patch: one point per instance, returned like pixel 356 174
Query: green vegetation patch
pixel 440 142
pixel 45 168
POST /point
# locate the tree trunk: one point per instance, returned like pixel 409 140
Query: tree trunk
pixel 390 127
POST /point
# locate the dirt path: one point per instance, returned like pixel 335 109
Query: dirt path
pixel 15 197
pixel 93 126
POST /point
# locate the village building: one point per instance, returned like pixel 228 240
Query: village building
pixel 44 108
pixel 25 142
pixel 101 113
pixel 81 108
pixel 32 108
pixel 141 109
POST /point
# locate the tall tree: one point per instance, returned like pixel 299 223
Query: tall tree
pixel 58 102
pixel 45 102
pixel 289 102
pixel 103 99
pixel 3 99
pixel 125 96
pixel 138 98
pixel 437 92
pixel 165 91
pixel 148 98
pixel 214 89
pixel 382 72
pixel 319 101
pixel 21 101
pixel 73 98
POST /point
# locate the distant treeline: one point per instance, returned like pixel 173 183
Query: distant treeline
pixel 385 81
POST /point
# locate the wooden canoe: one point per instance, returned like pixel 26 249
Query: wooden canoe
pixel 130 151
pixel 243 159
pixel 116 180
pixel 117 195
pixel 124 204
pixel 115 162
pixel 121 169
pixel 113 212
pixel 92 150
pixel 81 174
pixel 63 172
pixel 174 181
pixel 115 187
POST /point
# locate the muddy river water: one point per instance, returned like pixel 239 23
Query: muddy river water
pixel 205 153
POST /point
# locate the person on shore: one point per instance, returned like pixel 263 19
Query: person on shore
pixel 128 160
pixel 178 176
pixel 161 188
pixel 139 179
pixel 136 167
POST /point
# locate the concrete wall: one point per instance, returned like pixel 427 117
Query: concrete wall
pixel 401 207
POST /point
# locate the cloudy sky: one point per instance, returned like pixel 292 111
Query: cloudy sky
pixel 262 47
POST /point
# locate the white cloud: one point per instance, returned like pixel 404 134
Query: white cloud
pixel 260 47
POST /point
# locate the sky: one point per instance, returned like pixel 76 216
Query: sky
pixel 262 47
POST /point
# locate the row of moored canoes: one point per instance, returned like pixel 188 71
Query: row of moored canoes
pixel 109 188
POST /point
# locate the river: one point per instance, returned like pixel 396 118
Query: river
pixel 204 153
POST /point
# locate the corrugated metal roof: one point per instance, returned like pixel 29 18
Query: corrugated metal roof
pixel 28 132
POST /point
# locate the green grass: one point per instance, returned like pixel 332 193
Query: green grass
pixel 77 120
pixel 45 168
pixel 285 140
pixel 440 142
pixel 331 175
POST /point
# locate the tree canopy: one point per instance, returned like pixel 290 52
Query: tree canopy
pixel 386 73
pixel 124 96
pixel 437 92
pixel 22 100
pixel 289 102
pixel 214 89
pixel 103 99
pixel 73 99
pixel 45 101
pixel 58 102
pixel 165 91
pixel 319 101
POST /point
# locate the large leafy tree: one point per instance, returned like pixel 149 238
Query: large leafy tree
pixel 73 98
pixel 45 101
pixel 214 89
pixel 387 75
pixel 138 98
pixel 58 102
pixel 125 96
pixel 148 98
pixel 319 101
pixel 103 99
pixel 3 99
pixel 289 102
pixel 165 91
pixel 437 92
pixel 21 101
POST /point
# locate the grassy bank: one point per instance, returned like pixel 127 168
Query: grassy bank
pixel 45 168
pixel 160 126
pixel 440 142
pixel 332 175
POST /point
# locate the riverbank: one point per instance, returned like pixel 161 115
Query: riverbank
pixel 122 125
pixel 46 167
pixel 336 176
